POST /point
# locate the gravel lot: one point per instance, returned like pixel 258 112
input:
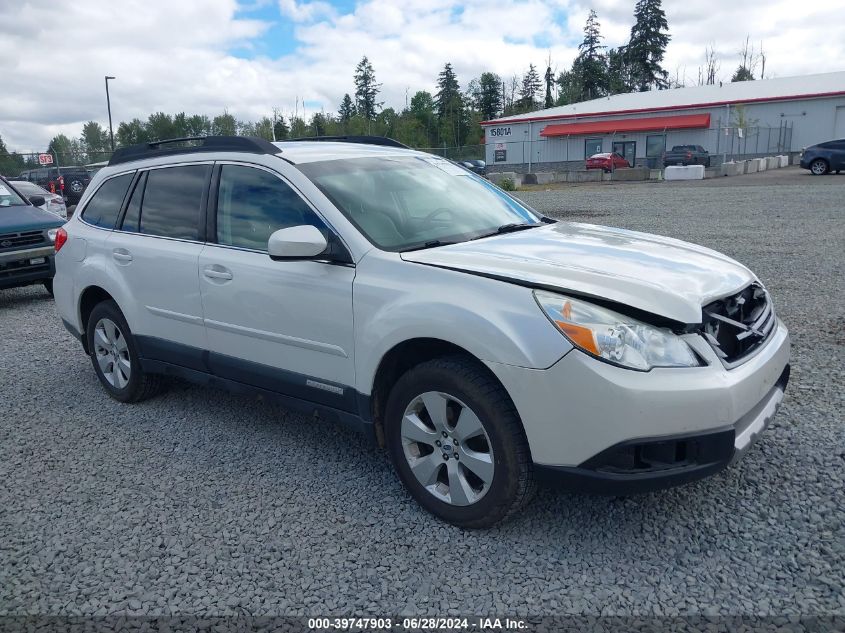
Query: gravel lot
pixel 200 502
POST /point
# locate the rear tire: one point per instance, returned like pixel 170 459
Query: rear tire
pixel 819 167
pixel 468 463
pixel 48 286
pixel 114 355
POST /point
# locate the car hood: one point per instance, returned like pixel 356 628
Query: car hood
pixel 26 218
pixel 660 275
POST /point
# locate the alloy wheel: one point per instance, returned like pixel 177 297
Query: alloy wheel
pixel 447 448
pixel 112 353
pixel 818 167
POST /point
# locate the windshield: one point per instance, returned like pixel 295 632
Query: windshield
pixel 404 202
pixel 9 198
pixel 30 189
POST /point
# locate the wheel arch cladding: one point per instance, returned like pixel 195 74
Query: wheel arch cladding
pixel 403 357
pixel 88 300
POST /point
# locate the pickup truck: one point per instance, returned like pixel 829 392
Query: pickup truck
pixel 27 236
pixel 686 155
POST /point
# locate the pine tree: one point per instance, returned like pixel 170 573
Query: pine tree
pixel 647 46
pixel 448 91
pixel 366 90
pixel 346 110
pixel 280 128
pixel 488 95
pixel 531 86
pixel 742 74
pixel 549 79
pixel 590 65
pixel 618 71
pixel 448 103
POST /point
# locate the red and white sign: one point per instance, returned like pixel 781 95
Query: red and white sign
pixel 45 159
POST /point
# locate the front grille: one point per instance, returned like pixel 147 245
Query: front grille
pixel 10 270
pixel 738 325
pixel 21 240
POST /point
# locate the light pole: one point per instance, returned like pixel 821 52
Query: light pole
pixel 108 105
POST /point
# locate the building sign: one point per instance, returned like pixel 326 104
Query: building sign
pixel 45 159
pixel 499 132
pixel 500 154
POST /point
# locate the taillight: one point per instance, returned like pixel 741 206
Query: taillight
pixel 62 183
pixel 61 238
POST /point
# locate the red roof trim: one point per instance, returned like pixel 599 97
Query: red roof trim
pixel 648 124
pixel 816 95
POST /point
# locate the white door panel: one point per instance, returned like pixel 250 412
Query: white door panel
pixel 290 315
pixel 162 274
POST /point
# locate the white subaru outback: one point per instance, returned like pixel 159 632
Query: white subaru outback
pixel 484 345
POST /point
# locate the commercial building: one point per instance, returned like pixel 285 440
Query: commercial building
pixel 742 119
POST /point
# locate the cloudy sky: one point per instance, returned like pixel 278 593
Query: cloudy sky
pixel 204 56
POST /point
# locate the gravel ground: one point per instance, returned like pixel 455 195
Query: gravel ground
pixel 199 502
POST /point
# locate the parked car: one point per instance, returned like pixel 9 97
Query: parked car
pixel 53 202
pixel 608 161
pixel 686 155
pixel 69 182
pixel 477 166
pixel 27 233
pixel 484 345
pixel 824 157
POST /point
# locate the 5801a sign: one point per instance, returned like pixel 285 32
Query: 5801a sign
pixel 499 132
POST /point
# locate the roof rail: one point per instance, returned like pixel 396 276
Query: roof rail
pixel 364 140
pixel 248 144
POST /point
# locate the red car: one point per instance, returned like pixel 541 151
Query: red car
pixel 608 161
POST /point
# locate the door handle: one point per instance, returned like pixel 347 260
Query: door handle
pixel 121 255
pixel 217 272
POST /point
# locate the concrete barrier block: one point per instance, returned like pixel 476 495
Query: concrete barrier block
pixel 690 172
pixel 733 169
pixel 784 160
pixel 544 177
pixel 761 164
pixel 751 166
pixel 796 160
pixel 655 174
pixel 630 174
pixel 772 162
pixel 498 177
pixel 593 175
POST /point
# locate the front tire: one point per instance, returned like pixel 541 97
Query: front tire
pixel 458 444
pixel 114 355
pixel 819 167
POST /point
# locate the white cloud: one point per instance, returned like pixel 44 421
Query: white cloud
pixel 175 56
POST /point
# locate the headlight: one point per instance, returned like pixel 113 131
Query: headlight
pixel 614 337
pixel 51 233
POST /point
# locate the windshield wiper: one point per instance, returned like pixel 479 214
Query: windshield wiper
pixel 512 227
pixel 431 244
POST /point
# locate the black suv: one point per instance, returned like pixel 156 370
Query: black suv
pixel 69 182
pixel 824 157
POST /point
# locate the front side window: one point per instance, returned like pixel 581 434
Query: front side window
pixel 403 202
pixel 252 204
pixel 173 201
pixel 102 210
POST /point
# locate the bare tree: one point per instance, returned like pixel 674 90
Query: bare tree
pixel 707 73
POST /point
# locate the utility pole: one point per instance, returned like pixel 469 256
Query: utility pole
pixel 108 105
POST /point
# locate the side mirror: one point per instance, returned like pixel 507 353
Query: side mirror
pixel 297 242
pixel 37 201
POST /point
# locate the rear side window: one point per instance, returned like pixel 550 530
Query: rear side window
pixel 252 204
pixel 173 200
pixel 103 208
pixel 132 218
